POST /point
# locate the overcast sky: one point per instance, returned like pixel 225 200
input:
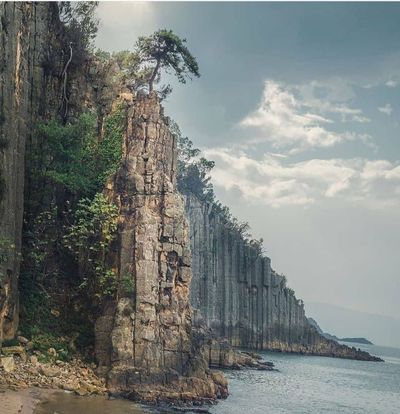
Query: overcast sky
pixel 298 104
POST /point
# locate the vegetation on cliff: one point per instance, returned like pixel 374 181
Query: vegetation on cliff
pixel 70 227
pixel 194 177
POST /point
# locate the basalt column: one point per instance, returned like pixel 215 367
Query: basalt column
pixel 145 337
pixel 28 35
pixel 237 294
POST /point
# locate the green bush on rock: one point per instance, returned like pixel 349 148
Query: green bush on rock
pixel 89 239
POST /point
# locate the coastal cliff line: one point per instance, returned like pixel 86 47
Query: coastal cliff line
pixel 101 255
pixel 236 293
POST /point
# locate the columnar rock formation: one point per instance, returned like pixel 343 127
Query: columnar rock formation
pixel 145 336
pixel 237 294
pixel 32 63
pixel 26 91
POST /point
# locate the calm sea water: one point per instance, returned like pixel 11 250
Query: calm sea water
pixel 315 385
pixel 304 384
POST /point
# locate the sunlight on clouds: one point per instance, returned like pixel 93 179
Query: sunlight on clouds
pixel 273 182
pixel 291 122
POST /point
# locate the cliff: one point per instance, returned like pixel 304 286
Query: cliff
pixel 27 92
pixel 144 340
pixel 236 293
pixel 36 85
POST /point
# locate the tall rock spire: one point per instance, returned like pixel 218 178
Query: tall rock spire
pixel 144 337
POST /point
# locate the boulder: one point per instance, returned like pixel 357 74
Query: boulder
pixel 13 350
pixel 33 360
pixel 7 363
pixel 22 340
pixel 49 371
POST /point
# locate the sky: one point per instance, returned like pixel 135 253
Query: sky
pixel 298 104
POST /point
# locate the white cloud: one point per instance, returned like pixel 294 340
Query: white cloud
pixel 331 97
pixel 391 83
pixel 290 117
pixel 273 181
pixel 386 109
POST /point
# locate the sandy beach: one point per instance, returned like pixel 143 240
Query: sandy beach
pixel 22 401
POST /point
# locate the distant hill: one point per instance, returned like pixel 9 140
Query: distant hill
pixel 361 341
pixel 347 323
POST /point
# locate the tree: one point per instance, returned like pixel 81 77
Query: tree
pixel 165 50
pixel 80 21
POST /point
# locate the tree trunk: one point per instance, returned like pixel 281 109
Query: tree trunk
pixel 153 76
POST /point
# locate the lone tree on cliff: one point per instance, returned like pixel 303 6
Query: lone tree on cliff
pixel 165 50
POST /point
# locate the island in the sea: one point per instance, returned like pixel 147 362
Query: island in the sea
pixel 361 340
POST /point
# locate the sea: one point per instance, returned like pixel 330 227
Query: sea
pixel 301 385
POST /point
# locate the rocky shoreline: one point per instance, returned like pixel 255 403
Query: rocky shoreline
pixel 75 376
pixel 27 376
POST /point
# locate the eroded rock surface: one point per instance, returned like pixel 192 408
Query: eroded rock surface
pixel 144 340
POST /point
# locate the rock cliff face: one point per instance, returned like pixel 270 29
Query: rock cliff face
pixel 237 294
pixel 144 339
pixel 26 92
pixel 32 61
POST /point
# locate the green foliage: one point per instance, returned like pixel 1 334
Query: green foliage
pixel 193 177
pixel 68 155
pixel 42 342
pixel 127 284
pixel 110 148
pixel 132 71
pixel 40 272
pixel 41 242
pixel 10 342
pixel 164 50
pixel 193 174
pixel 80 23
pixel 257 245
pixel 69 163
pixel 89 239
pixel 73 158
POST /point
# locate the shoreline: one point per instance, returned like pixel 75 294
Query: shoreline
pixel 23 401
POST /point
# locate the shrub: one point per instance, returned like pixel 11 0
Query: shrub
pixel 89 239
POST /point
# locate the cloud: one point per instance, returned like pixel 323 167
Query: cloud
pixel 391 83
pixel 331 97
pixel 274 181
pixel 386 109
pixel 293 118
